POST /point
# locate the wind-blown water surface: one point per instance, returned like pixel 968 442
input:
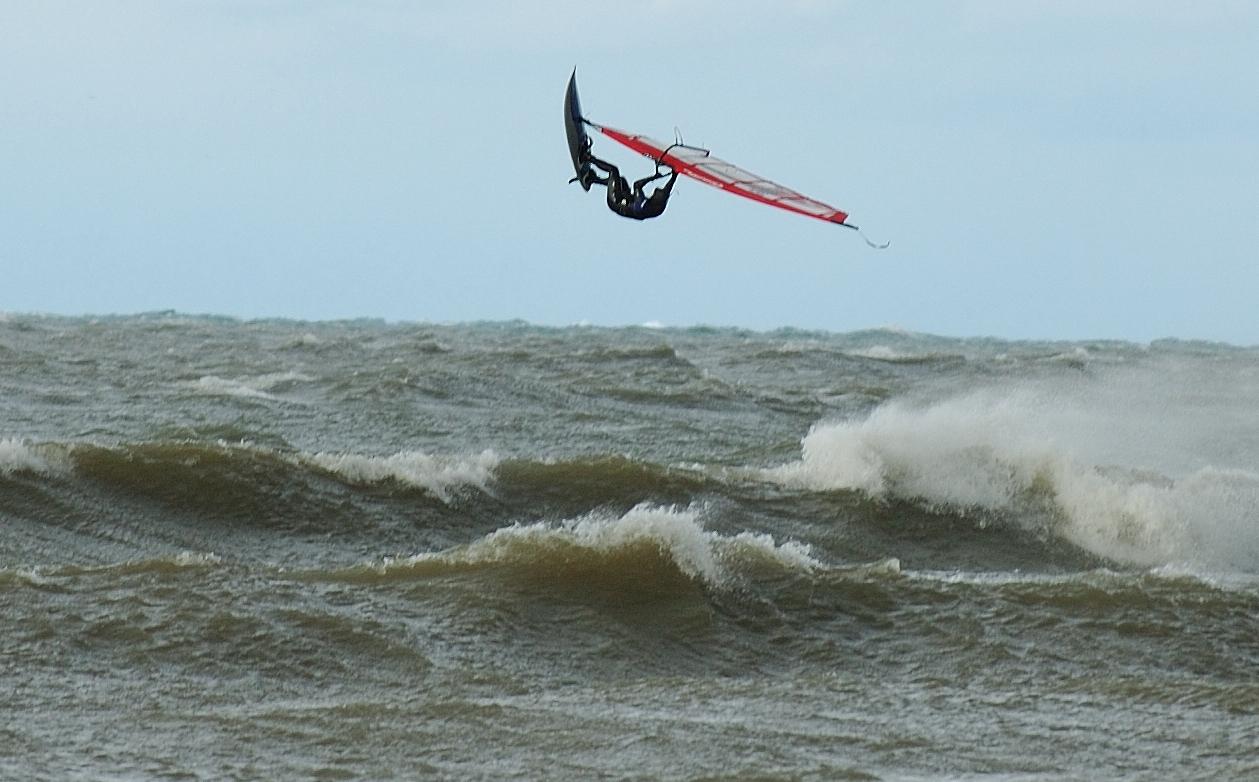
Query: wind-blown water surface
pixel 289 550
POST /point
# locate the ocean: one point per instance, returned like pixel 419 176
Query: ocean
pixel 363 550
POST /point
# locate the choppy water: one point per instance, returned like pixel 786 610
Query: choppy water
pixel 280 550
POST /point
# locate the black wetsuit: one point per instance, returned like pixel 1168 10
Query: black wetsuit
pixel 633 202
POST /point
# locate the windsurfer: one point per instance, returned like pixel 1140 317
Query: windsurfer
pixel 634 202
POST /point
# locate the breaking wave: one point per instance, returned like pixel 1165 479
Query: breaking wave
pixel 168 463
pixel 1014 456
pixel 439 476
pixel 18 456
pixel 263 387
pixel 645 541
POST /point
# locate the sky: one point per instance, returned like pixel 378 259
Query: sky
pixel 1066 169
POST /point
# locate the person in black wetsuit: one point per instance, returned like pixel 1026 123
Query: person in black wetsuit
pixel 629 202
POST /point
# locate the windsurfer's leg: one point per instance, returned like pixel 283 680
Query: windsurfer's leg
pixel 614 191
pixel 589 164
pixel 603 165
pixel 590 177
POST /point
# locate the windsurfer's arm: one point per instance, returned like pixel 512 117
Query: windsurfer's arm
pixel 648 179
pixel 673 176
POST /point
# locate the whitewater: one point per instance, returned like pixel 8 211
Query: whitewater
pixel 341 550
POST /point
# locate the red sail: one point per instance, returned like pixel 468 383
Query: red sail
pixel 699 164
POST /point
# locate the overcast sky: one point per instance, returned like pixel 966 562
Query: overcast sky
pixel 1062 169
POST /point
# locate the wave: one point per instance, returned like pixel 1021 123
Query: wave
pixel 662 353
pixel 174 466
pixel 1014 456
pixel 53 577
pixel 440 476
pixel 893 356
pixel 576 485
pixel 647 548
pixel 19 456
pixel 254 387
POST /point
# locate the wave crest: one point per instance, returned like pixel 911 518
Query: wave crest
pixel 437 475
pixel 174 467
pixel 646 543
pixel 262 387
pixel 989 454
pixel 19 456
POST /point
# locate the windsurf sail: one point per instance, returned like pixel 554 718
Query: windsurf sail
pixel 701 165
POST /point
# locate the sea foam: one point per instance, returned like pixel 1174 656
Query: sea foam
pixel 254 387
pixel 1092 473
pixel 18 456
pixel 438 475
pixel 610 540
